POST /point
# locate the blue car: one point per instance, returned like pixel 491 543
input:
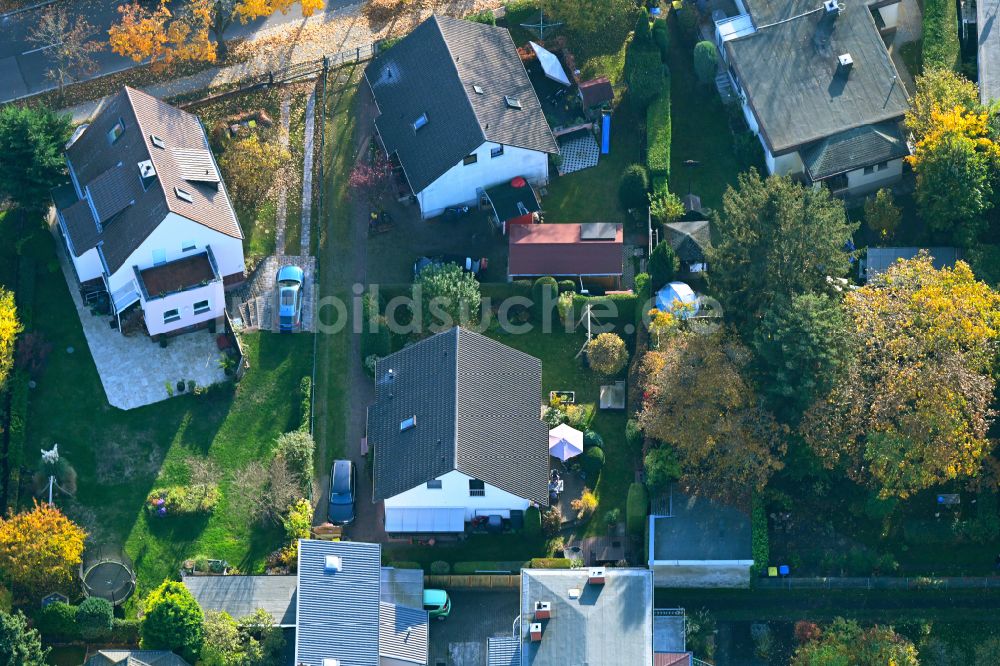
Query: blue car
pixel 289 298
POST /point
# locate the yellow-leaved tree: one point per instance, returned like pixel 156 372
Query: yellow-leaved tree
pixel 166 37
pixel 9 328
pixel 914 409
pixel 40 550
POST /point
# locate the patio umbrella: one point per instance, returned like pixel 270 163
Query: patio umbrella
pixel 550 64
pixel 565 442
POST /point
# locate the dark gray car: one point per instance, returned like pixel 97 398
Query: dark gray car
pixel 342 492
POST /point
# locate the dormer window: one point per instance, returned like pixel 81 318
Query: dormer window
pixel 512 102
pixel 420 122
pixel 116 131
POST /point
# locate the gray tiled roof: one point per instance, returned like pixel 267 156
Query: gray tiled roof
pixel 610 624
pixel 788 72
pixel 112 172
pixel 879 259
pixel 854 149
pixel 690 239
pixel 988 62
pixel 337 615
pixel 403 633
pixel 242 595
pixel 432 71
pixel 135 658
pixel 477 407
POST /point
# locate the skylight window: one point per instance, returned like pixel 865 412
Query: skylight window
pixel 408 424
pixel 420 122
pixel 157 141
pixel 478 90
pixel 116 131
pixel 183 195
pixel 512 102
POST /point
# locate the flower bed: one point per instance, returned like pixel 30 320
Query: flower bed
pixel 183 500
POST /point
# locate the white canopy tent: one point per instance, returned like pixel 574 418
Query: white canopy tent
pixel 550 64
pixel 565 442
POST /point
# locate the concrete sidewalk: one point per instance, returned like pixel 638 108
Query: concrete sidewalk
pixel 330 32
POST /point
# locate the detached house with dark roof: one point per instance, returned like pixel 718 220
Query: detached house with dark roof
pixel 456 433
pixel 147 217
pixel 457 112
pixel 817 85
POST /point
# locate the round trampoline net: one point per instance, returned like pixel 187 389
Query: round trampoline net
pixel 107 573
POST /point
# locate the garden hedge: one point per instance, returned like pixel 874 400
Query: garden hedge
pixel 645 75
pixel 940 46
pixel 305 393
pixel 497 291
pixel 592 461
pixel 57 622
pixel 533 523
pixel 440 568
pixel 94 618
pixel 550 563
pixel 759 542
pixel 661 37
pixel 470 568
pixel 615 309
pixel 636 509
pixel 592 438
pixel 658 130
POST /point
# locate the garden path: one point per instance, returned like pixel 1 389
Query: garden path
pixel 307 176
pixel 282 206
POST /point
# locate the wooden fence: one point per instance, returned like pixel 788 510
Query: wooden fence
pixel 474 582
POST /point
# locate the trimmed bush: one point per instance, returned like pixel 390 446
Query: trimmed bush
pixel 633 188
pixel 305 394
pixel 593 438
pixel 124 632
pixel 663 265
pixel 550 563
pixel 57 622
pixel 298 447
pixel 636 509
pixel 403 564
pixel 645 75
pixel 642 33
pixel 533 523
pixel 485 17
pixel 544 293
pixel 183 500
pixel 592 461
pixel 469 568
pixel 706 61
pixel 440 568
pixel 760 547
pixel 661 37
pixel 940 46
pixel 658 131
pixel 566 286
pixel 94 618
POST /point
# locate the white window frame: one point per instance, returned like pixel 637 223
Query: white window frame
pixel 202 310
pixel 170 316
pixel 496 152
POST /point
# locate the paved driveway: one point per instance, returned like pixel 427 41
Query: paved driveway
pixel 460 640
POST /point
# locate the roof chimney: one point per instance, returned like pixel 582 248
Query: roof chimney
pixel 831 6
pixel 543 610
pixel 844 63
pixel 596 576
pixel 535 631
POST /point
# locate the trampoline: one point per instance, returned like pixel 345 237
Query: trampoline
pixel 107 573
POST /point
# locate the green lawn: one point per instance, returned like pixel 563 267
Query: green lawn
pixel 700 131
pixel 120 455
pixel 591 195
pixel 562 371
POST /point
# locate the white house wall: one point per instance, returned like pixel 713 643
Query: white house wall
pixel 859 182
pixel 183 302
pixel 88 265
pixel 453 493
pixel 170 236
pixel 783 165
pixel 459 184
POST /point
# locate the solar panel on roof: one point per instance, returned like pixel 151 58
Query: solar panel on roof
pixel 598 231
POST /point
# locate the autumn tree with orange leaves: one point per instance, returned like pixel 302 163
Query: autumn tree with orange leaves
pixel 166 37
pixel 914 410
pixel 40 550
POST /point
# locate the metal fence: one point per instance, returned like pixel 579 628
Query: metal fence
pixel 880 583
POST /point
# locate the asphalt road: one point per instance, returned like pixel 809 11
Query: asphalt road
pixel 23 64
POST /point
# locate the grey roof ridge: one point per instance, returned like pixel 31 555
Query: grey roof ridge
pixel 533 92
pixel 145 141
pixel 734 62
pixel 458 75
pixel 454 425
